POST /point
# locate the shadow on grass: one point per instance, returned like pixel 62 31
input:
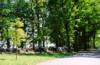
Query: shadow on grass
pixel 2 59
pixel 54 54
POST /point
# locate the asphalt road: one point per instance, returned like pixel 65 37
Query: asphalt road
pixel 83 58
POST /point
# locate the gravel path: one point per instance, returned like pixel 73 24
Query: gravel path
pixel 83 58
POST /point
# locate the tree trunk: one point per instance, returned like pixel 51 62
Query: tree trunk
pixel 94 41
pixel 76 40
pixel 57 44
pixel 79 40
pixel 67 37
pixel 43 43
pixel 38 23
pixel 8 43
pixel 33 35
pixel 33 46
pixel 22 45
pixel 75 45
pixel 84 40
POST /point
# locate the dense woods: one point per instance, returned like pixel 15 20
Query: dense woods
pixel 73 24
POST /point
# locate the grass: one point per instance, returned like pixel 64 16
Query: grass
pixel 29 59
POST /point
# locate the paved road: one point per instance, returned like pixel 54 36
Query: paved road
pixel 83 58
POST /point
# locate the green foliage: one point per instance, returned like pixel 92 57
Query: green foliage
pixel 5 27
pixel 13 31
pixel 52 20
pixel 16 33
pixel 5 12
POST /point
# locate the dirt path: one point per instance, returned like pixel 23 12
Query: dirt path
pixel 83 58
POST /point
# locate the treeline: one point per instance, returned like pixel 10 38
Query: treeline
pixel 69 23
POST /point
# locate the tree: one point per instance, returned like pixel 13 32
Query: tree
pixel 16 33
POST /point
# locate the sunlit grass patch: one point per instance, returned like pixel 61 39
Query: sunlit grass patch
pixel 29 59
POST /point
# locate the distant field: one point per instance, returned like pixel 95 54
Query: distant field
pixel 29 59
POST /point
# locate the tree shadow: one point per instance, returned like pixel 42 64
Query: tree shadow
pixel 2 59
pixel 56 54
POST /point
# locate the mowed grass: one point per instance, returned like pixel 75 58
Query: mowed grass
pixel 29 59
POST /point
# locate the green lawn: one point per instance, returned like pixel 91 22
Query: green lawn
pixel 29 59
